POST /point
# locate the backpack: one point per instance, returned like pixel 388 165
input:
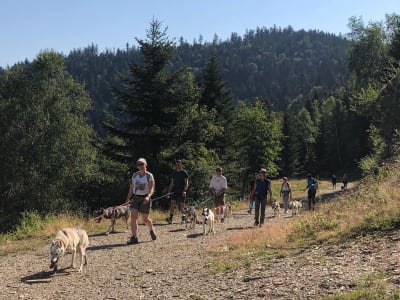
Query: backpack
pixel 287 187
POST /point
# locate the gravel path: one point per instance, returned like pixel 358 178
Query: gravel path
pixel 178 266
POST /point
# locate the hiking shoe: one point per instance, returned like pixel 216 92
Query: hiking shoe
pixel 133 240
pixel 249 211
pixel 168 220
pixel 261 225
pixel 153 235
pixel 222 220
pixel 256 223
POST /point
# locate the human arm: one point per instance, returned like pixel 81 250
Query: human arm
pixel 170 187
pixel 151 191
pixel 130 191
pixel 270 191
pixel 185 188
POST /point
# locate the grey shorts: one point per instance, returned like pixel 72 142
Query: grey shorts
pixel 137 203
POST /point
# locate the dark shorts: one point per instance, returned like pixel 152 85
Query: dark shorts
pixel 311 194
pixel 177 197
pixel 219 200
pixel 137 203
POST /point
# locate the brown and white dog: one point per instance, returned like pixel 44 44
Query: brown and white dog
pixel 72 239
pixel 113 213
pixel 209 219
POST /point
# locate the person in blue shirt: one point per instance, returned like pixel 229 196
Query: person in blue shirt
pixel 260 191
pixel 312 186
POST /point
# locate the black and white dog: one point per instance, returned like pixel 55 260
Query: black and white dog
pixel 189 216
pixel 208 218
pixel 113 213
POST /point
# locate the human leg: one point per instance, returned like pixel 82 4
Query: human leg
pixel 285 199
pixel 257 211
pixel 171 211
pixel 263 203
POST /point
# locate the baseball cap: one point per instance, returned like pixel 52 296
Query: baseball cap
pixel 142 160
pixel 263 170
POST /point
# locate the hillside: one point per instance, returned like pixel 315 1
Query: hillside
pixel 273 64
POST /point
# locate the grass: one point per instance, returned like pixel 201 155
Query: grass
pixel 369 287
pixel 35 231
pixel 375 201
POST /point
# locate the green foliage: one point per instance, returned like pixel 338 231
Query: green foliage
pixel 256 142
pixel 46 149
pixel 27 222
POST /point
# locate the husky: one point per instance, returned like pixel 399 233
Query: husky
pixel 275 208
pixel 189 216
pixel 228 210
pixel 295 207
pixel 208 217
pixel 72 239
pixel 113 213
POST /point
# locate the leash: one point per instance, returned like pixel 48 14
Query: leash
pixel 163 196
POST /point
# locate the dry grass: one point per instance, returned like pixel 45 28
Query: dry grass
pixel 373 205
pixel 11 243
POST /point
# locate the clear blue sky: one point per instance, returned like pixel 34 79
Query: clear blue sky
pixel 29 26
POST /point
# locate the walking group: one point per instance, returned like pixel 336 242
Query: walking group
pixel 142 188
pixel 260 188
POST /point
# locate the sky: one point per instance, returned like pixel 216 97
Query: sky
pixel 30 26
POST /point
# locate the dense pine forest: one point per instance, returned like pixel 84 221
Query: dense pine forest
pixel 72 127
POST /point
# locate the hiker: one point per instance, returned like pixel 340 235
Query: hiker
pixel 345 181
pixel 177 189
pixel 312 186
pixel 334 182
pixel 218 186
pixel 286 193
pixel 260 192
pixel 141 190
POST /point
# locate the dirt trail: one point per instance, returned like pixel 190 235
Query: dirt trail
pixel 178 266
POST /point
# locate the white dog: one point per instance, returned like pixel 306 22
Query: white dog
pixel 275 208
pixel 295 206
pixel 71 239
pixel 208 217
pixel 228 211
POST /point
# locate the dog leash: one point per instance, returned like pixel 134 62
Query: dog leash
pixel 163 196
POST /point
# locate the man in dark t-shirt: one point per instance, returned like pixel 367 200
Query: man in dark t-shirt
pixel 177 189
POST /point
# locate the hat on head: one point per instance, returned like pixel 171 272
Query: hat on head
pixel 178 161
pixel 142 160
pixel 263 170
pixel 285 178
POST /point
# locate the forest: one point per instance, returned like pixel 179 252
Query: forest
pixel 294 102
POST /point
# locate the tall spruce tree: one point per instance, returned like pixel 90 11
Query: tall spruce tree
pixel 146 107
pixel 158 116
pixel 216 96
